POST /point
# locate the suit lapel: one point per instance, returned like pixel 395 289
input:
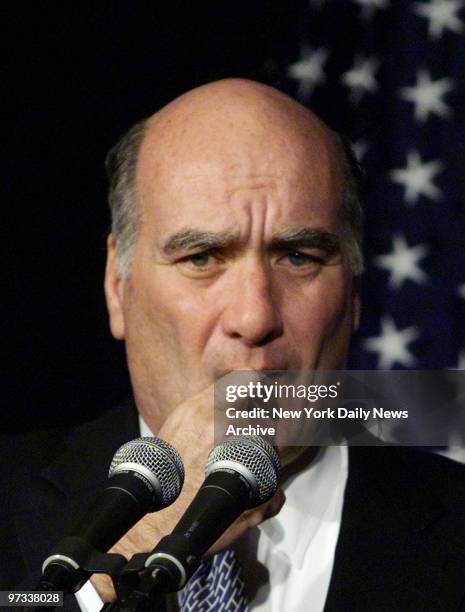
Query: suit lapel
pixel 384 558
pixel 74 471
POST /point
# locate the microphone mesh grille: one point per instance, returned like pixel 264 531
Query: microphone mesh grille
pixel 161 459
pixel 257 456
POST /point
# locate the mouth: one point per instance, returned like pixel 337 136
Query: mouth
pixel 245 374
pixel 276 370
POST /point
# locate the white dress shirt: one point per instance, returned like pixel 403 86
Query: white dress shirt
pixel 288 559
pixel 297 546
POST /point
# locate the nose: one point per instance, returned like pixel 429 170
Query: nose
pixel 252 313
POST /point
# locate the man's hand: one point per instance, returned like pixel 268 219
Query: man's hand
pixel 189 428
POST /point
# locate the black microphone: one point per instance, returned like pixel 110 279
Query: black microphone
pixel 146 474
pixel 241 473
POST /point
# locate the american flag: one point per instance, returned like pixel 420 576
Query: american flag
pixel 390 75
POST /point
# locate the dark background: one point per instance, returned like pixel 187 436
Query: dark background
pixel 76 77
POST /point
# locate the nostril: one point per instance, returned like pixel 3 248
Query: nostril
pixel 275 333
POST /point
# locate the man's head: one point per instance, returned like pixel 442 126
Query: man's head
pixel 236 242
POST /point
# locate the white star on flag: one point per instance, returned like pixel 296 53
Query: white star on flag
pixel 461 291
pixel 461 363
pixel 442 14
pixel 360 148
pixel 402 263
pixel 391 344
pixel 361 78
pixel 308 70
pixel 370 6
pixel 427 95
pixel 417 178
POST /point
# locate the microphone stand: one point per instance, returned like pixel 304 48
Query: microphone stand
pixel 147 596
pixel 137 588
pixel 140 588
pixel 60 575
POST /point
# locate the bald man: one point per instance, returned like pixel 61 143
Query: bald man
pixel 235 245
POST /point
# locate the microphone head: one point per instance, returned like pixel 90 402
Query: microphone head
pixel 253 458
pixel 155 461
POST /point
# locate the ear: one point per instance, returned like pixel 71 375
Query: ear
pixel 114 291
pixel 356 303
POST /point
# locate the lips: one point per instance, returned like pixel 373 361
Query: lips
pixel 257 360
pixel 263 367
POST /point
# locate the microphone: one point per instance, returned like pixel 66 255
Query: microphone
pixel 145 475
pixel 241 473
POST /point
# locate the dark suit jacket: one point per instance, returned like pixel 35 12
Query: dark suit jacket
pixel 401 545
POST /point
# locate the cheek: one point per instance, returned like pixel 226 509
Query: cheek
pixel 319 312
pixel 178 317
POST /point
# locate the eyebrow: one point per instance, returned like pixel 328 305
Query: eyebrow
pixel 190 239
pixel 293 238
pixel 309 237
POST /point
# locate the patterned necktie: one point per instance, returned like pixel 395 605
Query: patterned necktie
pixel 217 585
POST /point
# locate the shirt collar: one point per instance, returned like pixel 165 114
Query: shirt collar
pixel 313 500
pixel 144 428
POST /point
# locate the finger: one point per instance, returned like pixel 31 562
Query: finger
pixel 275 504
pixel 271 508
pixel 247 520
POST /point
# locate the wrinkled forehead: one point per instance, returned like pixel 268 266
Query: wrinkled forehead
pixel 213 146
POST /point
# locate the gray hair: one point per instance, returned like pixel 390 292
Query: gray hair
pixel 121 163
pixel 352 207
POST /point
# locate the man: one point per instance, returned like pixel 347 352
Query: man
pixel 236 245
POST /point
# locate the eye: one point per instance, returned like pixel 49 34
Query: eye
pixel 203 264
pixel 299 259
pixel 199 260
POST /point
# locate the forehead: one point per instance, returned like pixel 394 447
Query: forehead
pixel 191 175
